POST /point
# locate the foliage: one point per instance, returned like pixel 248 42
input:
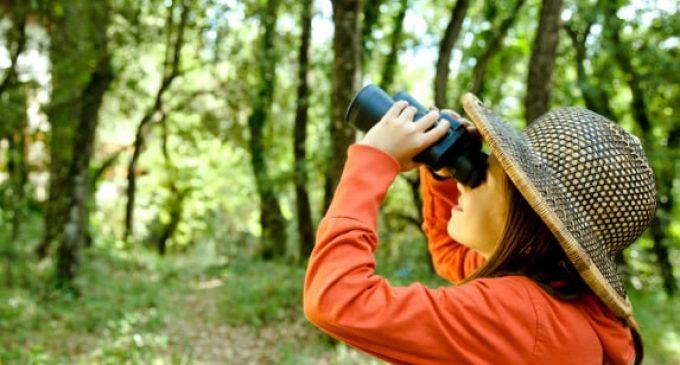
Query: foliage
pixel 131 302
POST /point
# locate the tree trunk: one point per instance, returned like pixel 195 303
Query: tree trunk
pixel 273 241
pixel 17 168
pixel 76 223
pixel 542 60
pixel 68 40
pixel 494 45
pixel 371 12
pixel 14 118
pixel 175 202
pixel 16 39
pixel 171 71
pixel 346 72
pixel 595 97
pixel 395 46
pixel 304 213
pixel 451 34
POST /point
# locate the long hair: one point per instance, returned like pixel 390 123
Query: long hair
pixel 530 249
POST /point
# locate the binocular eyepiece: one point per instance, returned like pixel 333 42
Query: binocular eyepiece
pixel 458 151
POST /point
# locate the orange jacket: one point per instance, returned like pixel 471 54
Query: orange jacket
pixel 508 320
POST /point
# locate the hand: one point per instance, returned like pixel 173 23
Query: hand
pixel 402 138
pixel 444 172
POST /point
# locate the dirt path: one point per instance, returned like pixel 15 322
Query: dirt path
pixel 208 341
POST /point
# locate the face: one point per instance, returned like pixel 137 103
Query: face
pixel 479 218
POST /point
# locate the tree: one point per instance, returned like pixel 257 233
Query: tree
pixel 171 70
pixel 493 47
pixel 596 98
pixel 665 178
pixel 371 17
pixel 441 78
pixel 390 64
pixel 304 213
pixel 13 104
pixel 346 72
pixel 273 223
pixel 81 74
pixel 542 61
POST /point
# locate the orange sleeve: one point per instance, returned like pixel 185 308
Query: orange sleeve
pixel 451 260
pixel 404 325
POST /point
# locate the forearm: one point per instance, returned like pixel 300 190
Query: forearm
pixel 451 260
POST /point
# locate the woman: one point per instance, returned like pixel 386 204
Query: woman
pixel 531 248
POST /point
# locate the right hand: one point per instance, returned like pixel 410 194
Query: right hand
pixel 398 135
pixel 444 172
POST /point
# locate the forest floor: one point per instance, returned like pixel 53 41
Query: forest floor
pixel 199 309
pixel 214 342
pixel 137 308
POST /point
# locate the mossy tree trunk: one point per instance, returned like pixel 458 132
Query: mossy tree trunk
pixel 345 83
pixel 81 74
pixel 272 222
pixel 542 61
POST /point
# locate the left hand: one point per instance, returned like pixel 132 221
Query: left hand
pixel 402 138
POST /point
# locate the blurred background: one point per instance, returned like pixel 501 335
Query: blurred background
pixel 164 163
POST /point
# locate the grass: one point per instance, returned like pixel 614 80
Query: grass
pixel 659 320
pixel 201 308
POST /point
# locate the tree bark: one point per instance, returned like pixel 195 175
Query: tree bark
pixel 89 99
pixel 16 43
pixel 371 13
pixel 72 50
pixel 17 168
pixel 171 71
pixel 542 60
pixel 451 34
pixel 15 120
pixel 346 72
pixel 304 212
pixel 494 45
pixel 595 98
pixel 390 64
pixel 273 240
pixel 175 201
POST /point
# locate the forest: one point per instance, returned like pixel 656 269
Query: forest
pixel 164 164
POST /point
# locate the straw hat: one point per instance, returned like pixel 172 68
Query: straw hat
pixel 587 178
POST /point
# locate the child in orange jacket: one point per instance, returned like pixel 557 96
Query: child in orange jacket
pixel 530 249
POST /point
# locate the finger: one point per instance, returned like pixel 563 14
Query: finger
pixel 436 133
pixel 395 109
pixel 408 114
pixel 471 128
pixel 452 113
pixel 427 121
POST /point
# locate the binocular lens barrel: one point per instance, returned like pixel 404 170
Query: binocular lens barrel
pixel 457 150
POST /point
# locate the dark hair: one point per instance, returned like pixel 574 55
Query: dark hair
pixel 530 249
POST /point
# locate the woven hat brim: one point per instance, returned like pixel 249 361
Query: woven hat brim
pixel 535 182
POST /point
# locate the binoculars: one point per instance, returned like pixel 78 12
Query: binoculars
pixel 458 151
